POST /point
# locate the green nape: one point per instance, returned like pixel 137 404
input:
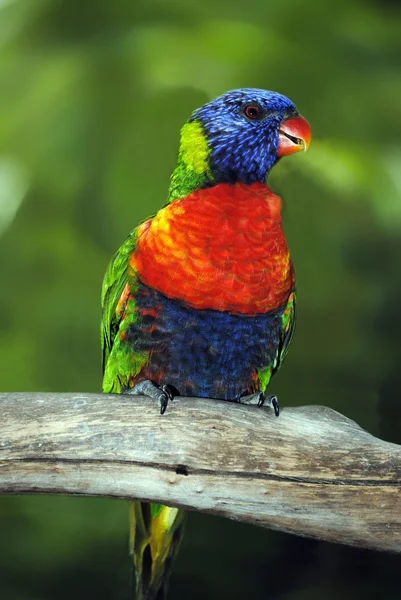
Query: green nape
pixel 192 171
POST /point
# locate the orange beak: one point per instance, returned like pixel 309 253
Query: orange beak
pixel 294 135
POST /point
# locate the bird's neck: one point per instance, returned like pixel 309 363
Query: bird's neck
pixel 198 169
pixel 192 171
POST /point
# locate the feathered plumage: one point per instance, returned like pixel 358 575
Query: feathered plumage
pixel 201 296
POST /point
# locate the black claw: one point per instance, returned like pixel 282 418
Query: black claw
pixel 276 406
pixel 272 400
pixel 161 394
pixel 168 391
pixel 262 399
pixel 167 394
pixel 163 399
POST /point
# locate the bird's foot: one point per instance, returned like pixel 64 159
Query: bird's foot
pixel 161 394
pixel 261 399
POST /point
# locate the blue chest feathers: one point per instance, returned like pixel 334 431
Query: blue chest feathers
pixel 202 353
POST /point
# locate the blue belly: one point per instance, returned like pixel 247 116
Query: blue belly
pixel 202 353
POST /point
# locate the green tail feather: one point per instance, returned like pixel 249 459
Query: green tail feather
pixel 155 534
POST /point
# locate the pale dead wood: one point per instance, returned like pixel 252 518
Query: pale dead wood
pixel 311 471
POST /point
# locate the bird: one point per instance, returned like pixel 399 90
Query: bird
pixel 199 300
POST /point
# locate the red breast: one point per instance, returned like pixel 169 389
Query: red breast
pixel 219 248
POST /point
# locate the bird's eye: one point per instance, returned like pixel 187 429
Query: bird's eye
pixel 253 111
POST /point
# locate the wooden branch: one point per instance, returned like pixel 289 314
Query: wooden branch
pixel 311 471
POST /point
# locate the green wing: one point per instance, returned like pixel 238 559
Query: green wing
pixel 287 331
pixel 288 324
pixel 119 361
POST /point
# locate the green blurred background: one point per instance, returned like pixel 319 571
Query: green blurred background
pixel 93 94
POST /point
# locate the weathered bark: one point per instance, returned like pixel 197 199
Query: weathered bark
pixel 311 472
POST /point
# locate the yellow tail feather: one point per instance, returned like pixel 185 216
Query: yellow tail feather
pixel 155 533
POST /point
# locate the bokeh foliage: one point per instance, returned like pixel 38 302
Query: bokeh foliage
pixel 92 97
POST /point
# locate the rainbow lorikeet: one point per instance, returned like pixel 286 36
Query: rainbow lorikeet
pixel 199 300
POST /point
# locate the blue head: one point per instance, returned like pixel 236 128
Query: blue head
pixel 237 137
pixel 244 136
